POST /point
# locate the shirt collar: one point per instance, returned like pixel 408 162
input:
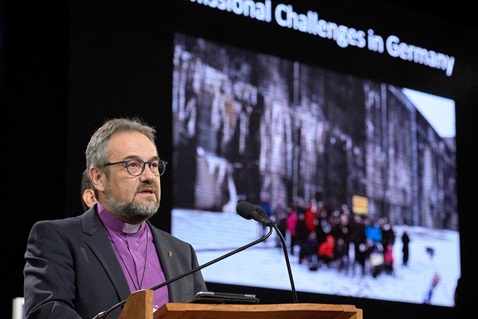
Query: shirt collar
pixel 113 223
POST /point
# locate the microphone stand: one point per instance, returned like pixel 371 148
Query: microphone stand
pixel 256 212
pixel 104 314
pixel 286 255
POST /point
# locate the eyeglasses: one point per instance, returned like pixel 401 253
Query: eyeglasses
pixel 136 167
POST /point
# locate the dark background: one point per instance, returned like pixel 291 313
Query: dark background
pixel 66 66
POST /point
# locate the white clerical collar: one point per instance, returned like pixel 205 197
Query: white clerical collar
pixel 129 228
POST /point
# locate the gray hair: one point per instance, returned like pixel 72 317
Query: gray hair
pixel 97 148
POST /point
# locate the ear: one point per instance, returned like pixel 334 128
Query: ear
pixel 98 178
pixel 89 197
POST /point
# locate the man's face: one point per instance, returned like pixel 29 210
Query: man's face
pixel 131 198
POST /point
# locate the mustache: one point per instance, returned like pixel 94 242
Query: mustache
pixel 146 186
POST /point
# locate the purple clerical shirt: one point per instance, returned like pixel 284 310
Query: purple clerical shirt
pixel 134 247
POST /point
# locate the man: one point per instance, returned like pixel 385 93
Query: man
pixel 81 266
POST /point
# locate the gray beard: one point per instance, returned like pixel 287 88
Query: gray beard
pixel 131 212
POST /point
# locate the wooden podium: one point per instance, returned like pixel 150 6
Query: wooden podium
pixel 140 306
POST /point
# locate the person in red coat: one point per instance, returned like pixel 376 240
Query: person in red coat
pixel 326 250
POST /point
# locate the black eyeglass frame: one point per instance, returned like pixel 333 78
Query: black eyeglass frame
pixel 160 162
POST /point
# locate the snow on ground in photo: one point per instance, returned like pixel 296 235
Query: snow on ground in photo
pixel 214 234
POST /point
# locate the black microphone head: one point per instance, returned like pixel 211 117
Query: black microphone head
pixel 245 209
pixel 260 210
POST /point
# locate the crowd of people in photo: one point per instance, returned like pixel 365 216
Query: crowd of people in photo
pixel 348 242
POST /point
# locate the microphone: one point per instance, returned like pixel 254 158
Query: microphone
pixel 104 314
pixel 256 212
